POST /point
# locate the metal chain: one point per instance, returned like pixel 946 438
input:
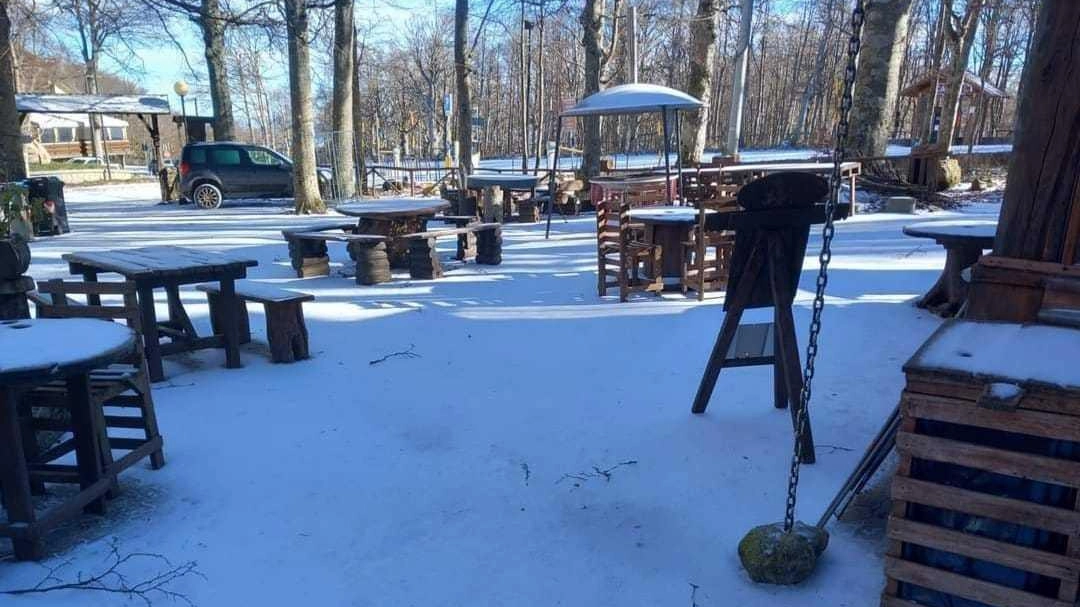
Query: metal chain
pixel 854 43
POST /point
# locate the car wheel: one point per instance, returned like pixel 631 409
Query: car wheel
pixel 206 196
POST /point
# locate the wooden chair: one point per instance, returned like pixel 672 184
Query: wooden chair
pixel 707 255
pixel 621 252
pixel 118 389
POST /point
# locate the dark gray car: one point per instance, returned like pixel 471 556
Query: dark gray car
pixel 212 172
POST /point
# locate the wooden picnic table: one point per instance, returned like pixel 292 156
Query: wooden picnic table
pixel 33 353
pixel 169 267
pixel 601 188
pixel 500 186
pixel 747 172
pixel 394 218
pixel 964 243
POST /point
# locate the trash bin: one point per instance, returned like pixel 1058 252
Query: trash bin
pixel 50 218
pixel 169 180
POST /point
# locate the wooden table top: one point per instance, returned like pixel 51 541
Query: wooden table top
pixel 777 167
pixel 393 207
pixel 49 346
pixel 976 232
pixel 507 181
pixel 148 262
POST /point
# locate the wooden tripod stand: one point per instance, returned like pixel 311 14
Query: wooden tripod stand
pixel 770 243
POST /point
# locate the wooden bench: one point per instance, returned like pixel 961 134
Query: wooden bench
pixel 309 255
pixel 424 261
pixel 286 331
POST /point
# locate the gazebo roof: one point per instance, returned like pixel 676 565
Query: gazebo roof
pixel 972 83
pixel 92 104
pixel 633 99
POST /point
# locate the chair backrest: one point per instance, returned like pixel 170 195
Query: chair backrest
pixel 57 304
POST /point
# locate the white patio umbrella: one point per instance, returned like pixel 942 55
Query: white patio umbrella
pixel 634 98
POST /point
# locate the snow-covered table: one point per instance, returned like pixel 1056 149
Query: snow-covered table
pixel 168 267
pixel 669 227
pixel 393 218
pixel 500 186
pixel 964 242
pixel 34 352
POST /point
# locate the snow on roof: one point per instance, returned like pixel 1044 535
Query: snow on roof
pixel 48 121
pixel 1000 351
pixel 92 104
pixel 633 99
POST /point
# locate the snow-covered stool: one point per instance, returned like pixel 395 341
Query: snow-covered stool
pixel 286 331
pixel 984 499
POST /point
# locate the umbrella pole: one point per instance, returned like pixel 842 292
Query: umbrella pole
pixel 678 159
pixel 551 177
pixel 667 155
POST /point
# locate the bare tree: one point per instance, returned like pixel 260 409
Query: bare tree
pixel 342 105
pixel 961 33
pixel 738 81
pixel 305 180
pixel 597 58
pixel 463 84
pixel 878 80
pixel 699 82
pixel 12 165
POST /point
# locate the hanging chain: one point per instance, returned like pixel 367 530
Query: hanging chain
pixel 854 43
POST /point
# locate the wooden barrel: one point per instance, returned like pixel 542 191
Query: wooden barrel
pixel 14 257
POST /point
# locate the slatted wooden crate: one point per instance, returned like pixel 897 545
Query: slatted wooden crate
pixel 986 500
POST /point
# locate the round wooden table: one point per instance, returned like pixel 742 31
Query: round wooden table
pixel 964 242
pixel 34 352
pixel 669 227
pixel 394 217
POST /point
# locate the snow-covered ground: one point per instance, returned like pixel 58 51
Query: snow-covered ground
pixel 447 478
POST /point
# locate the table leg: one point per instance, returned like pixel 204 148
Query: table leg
pixel 949 293
pixel 151 340
pixel 92 299
pixel 178 317
pixel 87 438
pixel 14 475
pixel 230 306
pixel 853 194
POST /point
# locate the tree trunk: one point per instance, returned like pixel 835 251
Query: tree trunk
pixel 463 85
pixel 699 82
pixel 963 40
pixel 358 120
pixel 799 131
pixel 592 15
pixel 1040 214
pixel 305 181
pixel 12 164
pixel 523 91
pixel 878 80
pixel 927 104
pixel 738 79
pixel 342 102
pixel 213 30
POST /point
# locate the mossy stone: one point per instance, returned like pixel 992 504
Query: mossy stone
pixel 771 555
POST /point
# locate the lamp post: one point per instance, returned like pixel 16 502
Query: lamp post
pixel 181 88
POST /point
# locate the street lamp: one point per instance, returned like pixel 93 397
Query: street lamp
pixel 181 88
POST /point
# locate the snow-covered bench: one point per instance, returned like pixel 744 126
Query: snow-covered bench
pixel 286 331
pixel 309 255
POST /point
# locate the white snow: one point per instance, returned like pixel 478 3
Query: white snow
pixel 1005 352
pixel 440 479
pixel 46 343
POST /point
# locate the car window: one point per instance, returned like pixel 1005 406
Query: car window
pixel 196 156
pixel 262 157
pixel 225 157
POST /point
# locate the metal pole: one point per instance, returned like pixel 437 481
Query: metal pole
pixel 678 159
pixel 667 155
pixel 183 114
pixel 633 45
pixel 551 177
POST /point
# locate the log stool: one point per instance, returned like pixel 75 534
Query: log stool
pixel 372 262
